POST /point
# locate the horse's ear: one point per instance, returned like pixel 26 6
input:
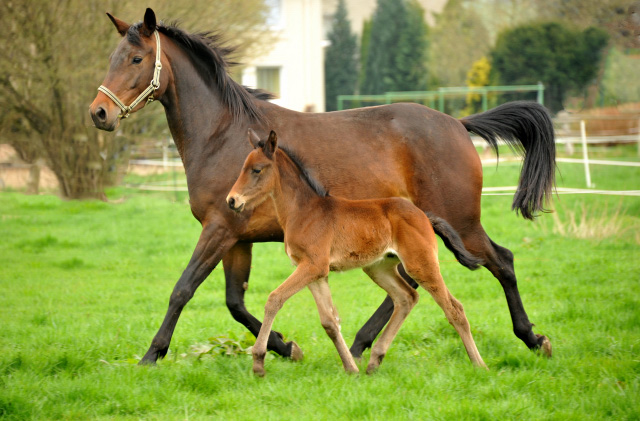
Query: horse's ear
pixel 121 26
pixel 253 138
pixel 149 22
pixel 270 145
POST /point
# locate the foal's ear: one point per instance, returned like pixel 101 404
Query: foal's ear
pixel 253 138
pixel 149 23
pixel 270 145
pixel 121 26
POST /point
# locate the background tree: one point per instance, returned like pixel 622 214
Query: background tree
pixel 389 19
pixel 365 40
pixel 395 58
pixel 340 63
pixel 459 38
pixel 619 18
pixel 54 56
pixel 563 59
pixel 412 49
pixel 478 76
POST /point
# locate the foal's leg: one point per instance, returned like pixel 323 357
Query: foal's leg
pixel 300 278
pixel 421 263
pixel 404 299
pixel 330 322
pixel 368 333
pixel 237 265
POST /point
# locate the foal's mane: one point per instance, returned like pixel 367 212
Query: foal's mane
pixel 304 173
pixel 211 60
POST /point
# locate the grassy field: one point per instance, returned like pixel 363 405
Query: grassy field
pixel 85 286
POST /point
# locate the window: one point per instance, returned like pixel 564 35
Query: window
pixel 269 79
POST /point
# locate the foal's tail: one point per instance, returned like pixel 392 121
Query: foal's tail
pixel 527 128
pixel 453 242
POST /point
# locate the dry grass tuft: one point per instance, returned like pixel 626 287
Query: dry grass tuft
pixel 593 223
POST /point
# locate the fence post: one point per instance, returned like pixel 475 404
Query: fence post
pixel 485 102
pixel 585 155
pixel 165 154
pixel 540 93
pixel 639 137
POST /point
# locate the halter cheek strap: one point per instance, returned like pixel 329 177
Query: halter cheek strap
pixel 146 94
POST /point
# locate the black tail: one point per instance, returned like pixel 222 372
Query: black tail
pixel 453 242
pixel 527 128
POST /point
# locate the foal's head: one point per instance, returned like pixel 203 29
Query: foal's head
pixel 258 175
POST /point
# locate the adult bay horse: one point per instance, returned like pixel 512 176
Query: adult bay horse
pixel 402 150
pixel 324 233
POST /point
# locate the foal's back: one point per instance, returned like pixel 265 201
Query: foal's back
pixel 358 233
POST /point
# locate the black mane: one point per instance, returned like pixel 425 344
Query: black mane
pixel 211 60
pixel 305 175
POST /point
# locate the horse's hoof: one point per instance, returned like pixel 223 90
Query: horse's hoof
pixel 147 362
pixel 545 346
pixel 296 352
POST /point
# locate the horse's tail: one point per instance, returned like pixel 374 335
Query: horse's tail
pixel 453 242
pixel 527 128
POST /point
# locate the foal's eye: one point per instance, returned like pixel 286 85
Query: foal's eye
pixel 137 60
pixel 256 170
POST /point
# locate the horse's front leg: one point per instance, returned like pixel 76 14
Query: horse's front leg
pixel 215 240
pixel 237 265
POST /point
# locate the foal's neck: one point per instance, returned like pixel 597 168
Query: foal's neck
pixel 291 195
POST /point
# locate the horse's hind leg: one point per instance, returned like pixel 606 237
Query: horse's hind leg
pixel 237 265
pixel 499 261
pixel 404 298
pixel 330 322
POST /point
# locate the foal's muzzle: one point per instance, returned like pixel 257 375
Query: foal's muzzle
pixel 235 203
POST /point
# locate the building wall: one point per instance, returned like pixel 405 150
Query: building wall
pixel 298 55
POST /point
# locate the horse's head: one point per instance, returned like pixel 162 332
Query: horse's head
pixel 258 175
pixel 134 73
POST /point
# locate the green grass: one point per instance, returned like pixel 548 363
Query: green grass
pixel 85 286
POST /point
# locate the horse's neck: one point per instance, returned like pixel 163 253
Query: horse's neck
pixel 291 195
pixel 195 112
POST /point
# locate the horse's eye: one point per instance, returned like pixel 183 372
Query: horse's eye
pixel 256 170
pixel 137 60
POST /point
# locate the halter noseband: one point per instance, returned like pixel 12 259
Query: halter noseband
pixel 147 93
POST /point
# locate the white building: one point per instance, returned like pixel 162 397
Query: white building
pixel 294 68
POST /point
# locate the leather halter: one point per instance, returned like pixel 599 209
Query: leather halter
pixel 146 94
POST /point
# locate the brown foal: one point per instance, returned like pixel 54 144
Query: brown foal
pixel 324 233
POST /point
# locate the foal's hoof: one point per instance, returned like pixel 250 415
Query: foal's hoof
pixel 372 368
pixel 544 346
pixel 296 352
pixel 258 368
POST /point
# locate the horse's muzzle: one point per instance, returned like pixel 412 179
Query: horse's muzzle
pixel 103 117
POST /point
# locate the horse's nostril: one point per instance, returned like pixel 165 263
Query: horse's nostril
pixel 101 113
pixel 232 203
